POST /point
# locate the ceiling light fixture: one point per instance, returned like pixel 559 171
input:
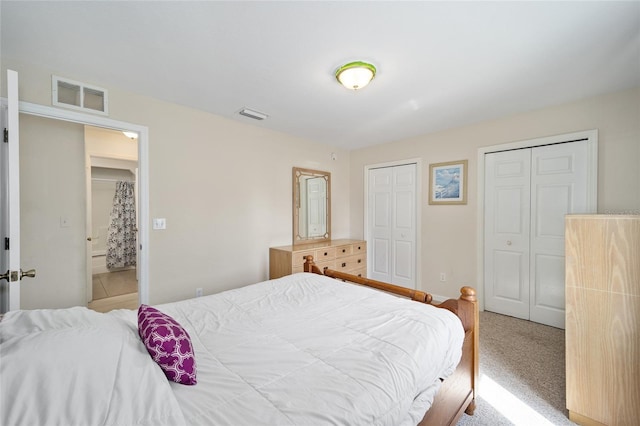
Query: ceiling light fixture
pixel 131 135
pixel 355 75
pixel 256 115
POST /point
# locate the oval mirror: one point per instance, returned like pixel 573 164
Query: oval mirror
pixel 311 206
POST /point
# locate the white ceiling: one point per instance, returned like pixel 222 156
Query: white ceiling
pixel 440 64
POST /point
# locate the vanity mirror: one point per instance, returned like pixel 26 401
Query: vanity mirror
pixel 311 206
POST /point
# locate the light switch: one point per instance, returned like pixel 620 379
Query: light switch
pixel 159 223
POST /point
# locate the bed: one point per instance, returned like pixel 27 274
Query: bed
pixel 304 349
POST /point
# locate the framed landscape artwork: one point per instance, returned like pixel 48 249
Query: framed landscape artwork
pixel 448 182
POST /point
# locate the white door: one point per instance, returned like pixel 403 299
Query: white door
pixel 528 192
pixel 52 212
pixel 10 208
pixel 392 225
pixel 506 241
pixel 558 188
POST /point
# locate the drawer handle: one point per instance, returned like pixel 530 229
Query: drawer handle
pixel 359 260
pixel 344 265
pixel 359 248
pixel 344 250
pixel 326 254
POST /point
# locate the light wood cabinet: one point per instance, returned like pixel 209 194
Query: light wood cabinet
pixel 340 255
pixel 603 319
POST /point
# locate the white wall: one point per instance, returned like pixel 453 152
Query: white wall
pixel 449 232
pixel 224 187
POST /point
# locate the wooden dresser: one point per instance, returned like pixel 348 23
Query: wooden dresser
pixel 340 255
pixel 603 319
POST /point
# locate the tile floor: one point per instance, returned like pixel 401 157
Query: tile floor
pixel 115 290
pixel 112 284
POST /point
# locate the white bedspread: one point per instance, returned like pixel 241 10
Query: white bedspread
pixel 300 350
pixel 78 367
pixel 306 349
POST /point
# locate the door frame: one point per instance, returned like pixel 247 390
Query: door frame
pixel 418 201
pixel 110 161
pixel 591 138
pixel 143 172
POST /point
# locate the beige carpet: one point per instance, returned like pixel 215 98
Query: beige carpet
pixel 522 374
pixel 112 284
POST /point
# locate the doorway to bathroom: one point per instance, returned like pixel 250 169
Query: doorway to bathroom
pixel 111 162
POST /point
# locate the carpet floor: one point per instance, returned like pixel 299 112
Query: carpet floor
pixel 522 374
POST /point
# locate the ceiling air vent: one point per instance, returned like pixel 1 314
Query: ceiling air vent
pixel 79 96
pixel 252 114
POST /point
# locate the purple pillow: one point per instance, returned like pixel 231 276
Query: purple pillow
pixel 168 344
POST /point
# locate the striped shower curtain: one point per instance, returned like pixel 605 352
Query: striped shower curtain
pixel 121 237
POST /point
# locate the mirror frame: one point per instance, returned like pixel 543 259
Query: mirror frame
pixel 297 172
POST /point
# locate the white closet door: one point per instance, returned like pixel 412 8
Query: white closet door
pixel 392 225
pixel 558 188
pixel 506 243
pixel 528 192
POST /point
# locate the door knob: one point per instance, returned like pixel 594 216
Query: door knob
pixel 31 273
pixel 508 243
pixel 9 276
pixel 88 238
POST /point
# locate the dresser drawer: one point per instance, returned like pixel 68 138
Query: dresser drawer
pixel 350 263
pixel 360 247
pixel 331 264
pixel 324 254
pixel 299 257
pixel 343 251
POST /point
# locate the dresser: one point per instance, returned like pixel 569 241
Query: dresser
pixel 339 255
pixel 603 318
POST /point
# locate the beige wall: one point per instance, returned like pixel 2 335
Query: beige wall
pixel 449 233
pixel 223 186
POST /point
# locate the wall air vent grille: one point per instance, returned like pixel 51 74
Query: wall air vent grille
pixel 78 96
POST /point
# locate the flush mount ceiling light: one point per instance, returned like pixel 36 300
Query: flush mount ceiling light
pixel 256 115
pixel 355 75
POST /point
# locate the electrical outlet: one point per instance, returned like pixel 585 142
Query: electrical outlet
pixel 443 276
pixel 199 292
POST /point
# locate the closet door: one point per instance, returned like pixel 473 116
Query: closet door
pixel 558 188
pixel 506 241
pixel 528 192
pixel 392 223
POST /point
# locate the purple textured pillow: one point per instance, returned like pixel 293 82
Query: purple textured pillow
pixel 168 344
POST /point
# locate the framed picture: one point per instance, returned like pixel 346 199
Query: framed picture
pixel 448 182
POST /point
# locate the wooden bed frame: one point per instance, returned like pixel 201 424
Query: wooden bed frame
pixel 457 393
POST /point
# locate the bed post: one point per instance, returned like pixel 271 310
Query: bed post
pixel 469 294
pixel 310 266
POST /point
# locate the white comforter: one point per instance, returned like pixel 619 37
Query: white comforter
pixel 300 350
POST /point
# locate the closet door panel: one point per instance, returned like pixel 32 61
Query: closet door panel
pixel 558 188
pixel 507 217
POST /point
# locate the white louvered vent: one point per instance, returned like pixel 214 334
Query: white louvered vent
pixel 79 96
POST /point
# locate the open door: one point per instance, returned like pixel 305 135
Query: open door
pixel 10 200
